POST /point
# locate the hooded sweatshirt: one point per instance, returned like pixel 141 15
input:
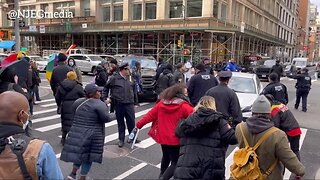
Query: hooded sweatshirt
pixel 164 117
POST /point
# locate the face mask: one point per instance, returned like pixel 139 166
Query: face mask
pixel 25 125
pixel 71 64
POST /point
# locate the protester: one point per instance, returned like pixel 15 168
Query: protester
pixel 204 139
pixel 36 80
pixel 276 89
pixel 200 83
pixel 101 76
pixel 178 74
pixel 68 92
pixel 285 120
pixel 113 67
pixel 85 141
pixel 37 159
pixel 188 72
pixel 59 73
pixel 275 149
pixel 165 79
pixel 172 107
pixel 278 69
pixel 160 68
pixel 72 63
pixel 208 66
pixel 137 82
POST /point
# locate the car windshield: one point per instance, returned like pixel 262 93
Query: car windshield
pixel 269 63
pixel 95 58
pixel 242 85
pixel 300 63
pixel 145 62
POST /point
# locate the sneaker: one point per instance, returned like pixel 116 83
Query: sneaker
pixel 120 144
pixel 304 110
pixel 71 176
pixel 296 107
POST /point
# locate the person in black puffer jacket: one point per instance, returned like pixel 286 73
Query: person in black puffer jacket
pixel 165 79
pixel 68 92
pixel 85 141
pixel 204 139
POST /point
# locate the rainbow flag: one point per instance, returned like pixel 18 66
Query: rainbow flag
pixel 50 66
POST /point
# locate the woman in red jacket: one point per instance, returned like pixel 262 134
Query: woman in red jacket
pixel 173 106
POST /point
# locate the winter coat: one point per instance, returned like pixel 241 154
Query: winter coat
pixel 68 92
pixel 205 136
pixel 278 91
pixel 165 80
pixel 101 78
pixel 164 117
pixel 59 74
pixel 232 67
pixel 274 147
pixel 199 84
pixel 178 77
pixel 85 140
pixel 278 69
pixel 78 72
pixel 284 119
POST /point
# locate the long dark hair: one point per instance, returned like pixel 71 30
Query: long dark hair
pixel 173 91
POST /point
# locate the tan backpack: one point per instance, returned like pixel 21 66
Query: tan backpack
pixel 246 161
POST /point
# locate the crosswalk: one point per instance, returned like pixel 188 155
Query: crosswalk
pixel 45 120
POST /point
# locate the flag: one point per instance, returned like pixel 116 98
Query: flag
pixel 50 66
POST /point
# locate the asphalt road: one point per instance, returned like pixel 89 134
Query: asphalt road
pixel 143 162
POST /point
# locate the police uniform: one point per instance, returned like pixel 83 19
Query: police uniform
pixel 226 99
pixel 122 97
pixel 303 86
pixel 278 91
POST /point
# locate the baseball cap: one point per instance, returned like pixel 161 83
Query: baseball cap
pixel 92 88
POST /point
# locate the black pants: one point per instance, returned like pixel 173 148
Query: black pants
pixel 36 92
pixel 302 93
pixel 124 111
pixel 294 144
pixel 170 154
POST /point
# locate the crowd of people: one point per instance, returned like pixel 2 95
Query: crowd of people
pixel 196 117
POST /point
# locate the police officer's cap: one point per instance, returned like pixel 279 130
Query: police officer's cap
pixel 225 74
pixel 123 65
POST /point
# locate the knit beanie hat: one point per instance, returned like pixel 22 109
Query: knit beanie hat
pixel 71 75
pixel 261 105
pixel 62 57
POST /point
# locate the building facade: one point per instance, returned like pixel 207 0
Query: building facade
pixel 314 38
pixel 173 29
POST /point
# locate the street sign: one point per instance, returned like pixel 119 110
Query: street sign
pixel 32 28
pixel 24 49
pixel 42 29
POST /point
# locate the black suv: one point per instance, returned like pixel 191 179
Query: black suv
pixel 148 73
pixel 263 68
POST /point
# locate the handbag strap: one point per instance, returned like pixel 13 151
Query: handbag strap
pixel 82 103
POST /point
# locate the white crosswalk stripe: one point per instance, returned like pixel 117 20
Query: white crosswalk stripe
pixel 44 111
pixel 49 105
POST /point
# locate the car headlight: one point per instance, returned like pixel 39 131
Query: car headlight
pixel 246 109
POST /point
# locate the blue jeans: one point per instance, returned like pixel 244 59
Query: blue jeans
pixel 85 168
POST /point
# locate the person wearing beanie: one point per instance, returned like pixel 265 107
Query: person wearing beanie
pixel 59 73
pixel 275 149
pixel 276 89
pixel 200 83
pixel 68 92
pixel 226 99
pixel 165 79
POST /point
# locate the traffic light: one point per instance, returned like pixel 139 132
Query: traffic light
pixel 179 43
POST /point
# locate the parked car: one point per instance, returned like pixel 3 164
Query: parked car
pixel 247 87
pixel 291 71
pixel 148 73
pixel 264 67
pixel 86 62
pixel 106 57
pixel 42 63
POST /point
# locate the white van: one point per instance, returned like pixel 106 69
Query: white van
pixel 300 62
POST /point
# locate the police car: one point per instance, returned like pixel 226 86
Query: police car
pixel 247 87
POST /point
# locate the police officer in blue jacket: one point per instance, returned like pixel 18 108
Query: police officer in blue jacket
pixel 303 86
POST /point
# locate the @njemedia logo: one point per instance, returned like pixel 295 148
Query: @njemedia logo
pixel 35 14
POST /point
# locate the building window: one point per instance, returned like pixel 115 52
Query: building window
pixel 44 7
pixel 151 10
pixel 118 13
pixel 194 8
pixel 106 14
pixel 137 10
pixel 176 9
pixel 223 11
pixel 116 1
pixel 215 8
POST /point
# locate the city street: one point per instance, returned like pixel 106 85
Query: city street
pixel 143 162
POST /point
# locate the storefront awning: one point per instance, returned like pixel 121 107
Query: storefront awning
pixel 7 44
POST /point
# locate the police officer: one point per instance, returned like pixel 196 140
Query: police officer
pixel 200 83
pixel 276 89
pixel 226 99
pixel 303 86
pixel 122 97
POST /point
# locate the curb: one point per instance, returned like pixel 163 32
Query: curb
pixel 317 175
